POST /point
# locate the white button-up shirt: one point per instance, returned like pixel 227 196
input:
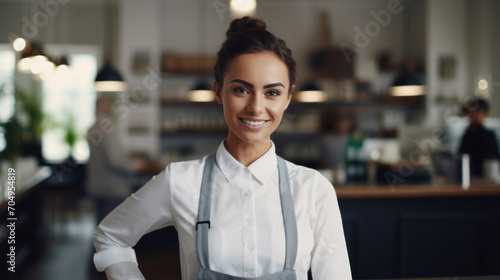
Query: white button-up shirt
pixel 246 237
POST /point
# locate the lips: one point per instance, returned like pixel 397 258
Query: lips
pixel 253 123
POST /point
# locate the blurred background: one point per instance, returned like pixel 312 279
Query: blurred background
pixel 381 89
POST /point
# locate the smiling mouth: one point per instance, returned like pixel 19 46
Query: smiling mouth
pixel 252 123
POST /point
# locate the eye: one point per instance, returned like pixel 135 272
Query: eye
pixel 273 93
pixel 241 90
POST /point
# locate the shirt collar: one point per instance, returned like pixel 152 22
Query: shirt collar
pixel 261 169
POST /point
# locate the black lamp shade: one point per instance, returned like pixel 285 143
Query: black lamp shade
pixel 108 73
pixel 407 83
pixel 201 85
pixel 407 78
pixel 201 92
pixel 311 92
pixel 109 79
pixel 310 85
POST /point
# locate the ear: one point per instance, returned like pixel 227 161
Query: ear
pixel 218 91
pixel 291 92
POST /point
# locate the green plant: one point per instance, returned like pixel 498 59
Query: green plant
pixel 12 132
pixel 30 114
pixel 71 136
pixel 68 125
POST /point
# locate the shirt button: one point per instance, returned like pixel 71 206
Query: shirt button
pixel 250 246
pixel 247 171
pixel 251 274
pixel 248 193
pixel 249 220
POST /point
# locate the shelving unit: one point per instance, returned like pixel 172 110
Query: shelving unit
pixel 191 129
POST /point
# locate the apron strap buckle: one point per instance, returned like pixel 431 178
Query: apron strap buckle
pixel 202 222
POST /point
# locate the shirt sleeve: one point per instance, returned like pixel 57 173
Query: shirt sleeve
pixel 149 209
pixel 124 271
pixel 330 260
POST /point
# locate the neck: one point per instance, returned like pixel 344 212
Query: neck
pixel 246 153
pixel 475 124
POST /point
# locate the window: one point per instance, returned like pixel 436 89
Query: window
pixel 68 98
pixel 69 102
pixel 7 98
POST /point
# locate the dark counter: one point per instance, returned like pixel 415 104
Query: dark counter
pixel 422 231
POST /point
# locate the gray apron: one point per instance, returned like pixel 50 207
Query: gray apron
pixel 203 225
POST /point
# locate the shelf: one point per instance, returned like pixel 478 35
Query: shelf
pixel 185 103
pixel 384 102
pixel 193 132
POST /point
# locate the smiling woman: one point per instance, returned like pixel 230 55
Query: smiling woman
pixel 254 97
pixel 243 211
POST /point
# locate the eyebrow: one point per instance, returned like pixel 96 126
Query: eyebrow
pixel 251 86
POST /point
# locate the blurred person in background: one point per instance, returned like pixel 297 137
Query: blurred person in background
pixel 478 142
pixel 109 171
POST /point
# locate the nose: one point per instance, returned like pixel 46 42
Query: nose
pixel 256 104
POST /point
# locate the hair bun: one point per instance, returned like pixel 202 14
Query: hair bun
pixel 245 23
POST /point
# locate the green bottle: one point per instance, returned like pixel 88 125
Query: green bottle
pixel 355 166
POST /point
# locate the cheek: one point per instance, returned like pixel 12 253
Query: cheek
pixel 231 105
pixel 278 110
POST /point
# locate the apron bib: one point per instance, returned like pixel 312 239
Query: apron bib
pixel 203 226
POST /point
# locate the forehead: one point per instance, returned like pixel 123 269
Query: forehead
pixel 257 68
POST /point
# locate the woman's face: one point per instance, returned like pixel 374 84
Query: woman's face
pixel 254 95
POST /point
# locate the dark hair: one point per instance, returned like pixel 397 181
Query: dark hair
pixel 249 35
pixel 475 104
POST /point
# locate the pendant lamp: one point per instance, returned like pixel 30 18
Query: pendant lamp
pixel 311 92
pixel 201 92
pixel 108 79
pixel 408 82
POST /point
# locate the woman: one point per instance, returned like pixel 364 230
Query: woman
pixel 242 212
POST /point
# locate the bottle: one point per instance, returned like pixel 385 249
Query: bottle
pixel 355 167
pixel 465 171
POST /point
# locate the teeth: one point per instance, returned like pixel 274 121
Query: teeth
pixel 253 123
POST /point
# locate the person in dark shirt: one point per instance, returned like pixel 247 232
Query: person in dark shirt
pixel 479 142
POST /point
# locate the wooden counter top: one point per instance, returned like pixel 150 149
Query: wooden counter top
pixel 477 188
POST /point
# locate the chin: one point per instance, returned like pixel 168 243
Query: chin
pixel 251 138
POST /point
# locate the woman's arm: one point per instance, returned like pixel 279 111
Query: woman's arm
pixel 329 257
pixel 147 210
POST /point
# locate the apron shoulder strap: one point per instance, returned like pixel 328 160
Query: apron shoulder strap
pixel 287 208
pixel 204 207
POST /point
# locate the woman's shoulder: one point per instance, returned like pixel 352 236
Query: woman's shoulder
pixel 307 175
pixel 187 166
pixel 189 162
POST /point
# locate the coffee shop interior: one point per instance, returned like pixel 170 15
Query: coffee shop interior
pixel 383 92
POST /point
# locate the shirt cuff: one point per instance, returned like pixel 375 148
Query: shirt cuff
pixel 111 256
pixel 124 271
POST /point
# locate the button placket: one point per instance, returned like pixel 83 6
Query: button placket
pixel 249 252
pixel 249 220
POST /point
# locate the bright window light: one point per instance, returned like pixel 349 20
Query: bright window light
pixel 7 70
pixel 69 94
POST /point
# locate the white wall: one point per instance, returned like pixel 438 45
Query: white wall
pixel 479 42
pixel 446 36
pixel 139 31
pixel 60 22
pixel 495 58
